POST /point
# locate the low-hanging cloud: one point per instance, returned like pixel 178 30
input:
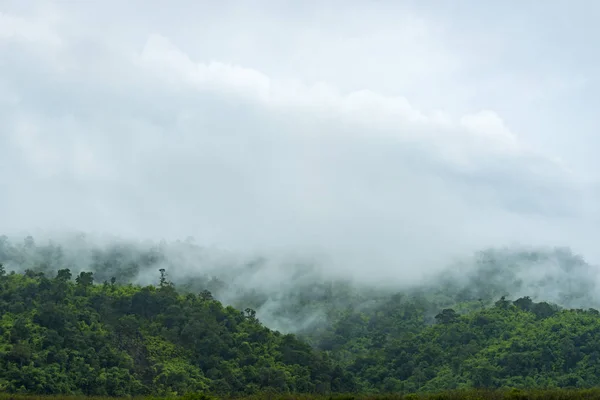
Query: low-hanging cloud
pixel 140 139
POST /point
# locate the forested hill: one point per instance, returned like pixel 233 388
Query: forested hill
pixel 510 344
pixel 65 334
pixel 299 295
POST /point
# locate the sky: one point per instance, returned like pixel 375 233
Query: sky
pixel 385 136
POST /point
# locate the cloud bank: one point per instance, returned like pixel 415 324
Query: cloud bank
pixel 174 125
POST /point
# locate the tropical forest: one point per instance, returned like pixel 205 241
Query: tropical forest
pixel 299 200
pixel 76 320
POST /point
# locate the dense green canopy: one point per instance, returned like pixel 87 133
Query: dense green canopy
pixel 60 336
pixel 62 332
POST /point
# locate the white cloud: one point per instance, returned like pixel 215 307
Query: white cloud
pixel 486 130
pixel 132 134
pixel 36 29
pixel 26 137
pixel 489 125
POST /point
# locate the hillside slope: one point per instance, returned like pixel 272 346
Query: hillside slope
pixel 64 334
pixel 60 336
pixel 520 344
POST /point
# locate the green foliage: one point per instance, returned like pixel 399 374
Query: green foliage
pixel 520 344
pixel 514 394
pixel 63 337
pixel 455 337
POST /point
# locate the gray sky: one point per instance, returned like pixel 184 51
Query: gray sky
pixel 383 134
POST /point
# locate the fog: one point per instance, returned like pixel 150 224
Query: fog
pixel 375 143
pixel 292 293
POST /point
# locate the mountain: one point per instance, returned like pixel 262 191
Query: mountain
pixel 65 336
pixel 176 318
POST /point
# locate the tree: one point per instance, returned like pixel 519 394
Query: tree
pixel 502 303
pixel 447 316
pixel 483 373
pixel 85 279
pixel 524 303
pixel 250 313
pixel 63 275
pixel 206 295
pixel 163 278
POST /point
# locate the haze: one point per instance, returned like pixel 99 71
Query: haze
pixel 382 136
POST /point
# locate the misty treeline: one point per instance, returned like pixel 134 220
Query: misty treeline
pixel 120 318
pixel 284 292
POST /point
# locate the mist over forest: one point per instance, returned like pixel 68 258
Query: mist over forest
pixel 288 293
pixel 239 198
pixel 170 318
